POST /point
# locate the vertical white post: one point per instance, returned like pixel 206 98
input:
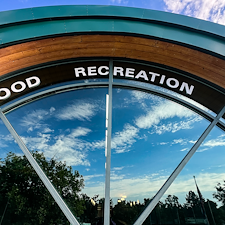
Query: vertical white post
pixel 108 146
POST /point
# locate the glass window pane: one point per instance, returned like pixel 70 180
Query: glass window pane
pixel 166 91
pixel 23 197
pixel 150 136
pixel 208 167
pixel 69 129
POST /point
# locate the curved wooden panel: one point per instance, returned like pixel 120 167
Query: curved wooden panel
pixel 33 53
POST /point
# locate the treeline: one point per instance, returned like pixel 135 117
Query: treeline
pixel 24 200
pixel 171 211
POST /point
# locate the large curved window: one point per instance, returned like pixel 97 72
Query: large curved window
pixel 108 147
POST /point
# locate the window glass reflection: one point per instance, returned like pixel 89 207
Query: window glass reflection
pixel 150 136
pixel 23 197
pixel 190 202
pixel 166 91
pixel 62 85
pixel 69 128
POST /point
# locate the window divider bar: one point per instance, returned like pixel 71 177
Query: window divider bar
pixel 40 172
pixel 108 150
pixel 176 172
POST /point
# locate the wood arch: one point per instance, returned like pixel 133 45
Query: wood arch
pixel 32 53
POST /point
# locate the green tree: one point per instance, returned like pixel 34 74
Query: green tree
pixel 172 210
pixel 220 193
pixel 192 199
pixel 215 215
pixel 125 213
pixel 220 196
pixel 24 198
pixel 172 201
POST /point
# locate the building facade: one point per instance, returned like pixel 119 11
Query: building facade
pixel 124 96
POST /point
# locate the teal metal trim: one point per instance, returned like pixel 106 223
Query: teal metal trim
pixel 42 22
pixel 31 14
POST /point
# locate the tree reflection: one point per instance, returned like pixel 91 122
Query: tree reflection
pixel 171 212
pixel 25 200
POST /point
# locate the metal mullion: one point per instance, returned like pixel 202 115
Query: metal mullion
pixel 176 172
pixel 108 152
pixel 40 172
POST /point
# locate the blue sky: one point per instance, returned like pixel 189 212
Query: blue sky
pixel 150 136
pixel 212 10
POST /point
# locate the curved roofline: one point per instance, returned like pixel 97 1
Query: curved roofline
pixel 18 26
pixel 68 11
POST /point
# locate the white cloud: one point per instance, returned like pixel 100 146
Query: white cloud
pixel 164 143
pixel 123 140
pixel 3 144
pixel 140 95
pixel 116 1
pixel 217 142
pixel 174 127
pixel 202 150
pixel 180 141
pixel 35 119
pixel 206 182
pixel 5 140
pixel 88 177
pixel 119 1
pixel 95 188
pixel 7 137
pixel 70 148
pixel 147 186
pixel 80 131
pixel 213 10
pixel 52 109
pixel 164 110
pixel 118 168
pixel 81 111
pixel 98 144
pixel 47 130
pixel 220 141
pixel 184 149
pixel 116 176
pixel 37 143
